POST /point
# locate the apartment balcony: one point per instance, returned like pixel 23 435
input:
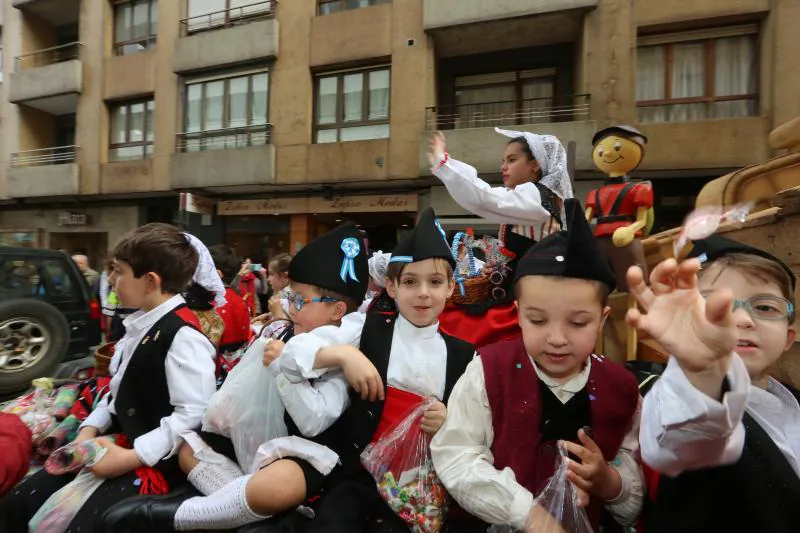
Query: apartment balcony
pixel 49 80
pixel 237 35
pixel 242 157
pixel 470 128
pixel 44 172
pixel 56 12
pixel 444 13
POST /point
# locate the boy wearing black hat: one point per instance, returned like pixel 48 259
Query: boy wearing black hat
pixel 498 447
pixel 725 431
pixel 329 279
pixel 394 356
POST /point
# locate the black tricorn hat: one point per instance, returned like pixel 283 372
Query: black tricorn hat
pixel 628 132
pixel 426 241
pixel 570 253
pixel 336 261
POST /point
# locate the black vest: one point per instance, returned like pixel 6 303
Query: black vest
pixel 760 492
pixel 143 396
pixel 355 429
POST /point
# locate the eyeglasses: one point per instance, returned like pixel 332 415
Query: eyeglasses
pixel 764 307
pixel 299 301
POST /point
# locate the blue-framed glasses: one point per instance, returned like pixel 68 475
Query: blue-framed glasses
pixel 298 301
pixel 765 307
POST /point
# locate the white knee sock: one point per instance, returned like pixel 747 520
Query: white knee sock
pixel 225 509
pixel 208 478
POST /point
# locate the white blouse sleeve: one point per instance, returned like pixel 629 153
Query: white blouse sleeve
pixel 519 206
pixel 684 429
pixel 462 456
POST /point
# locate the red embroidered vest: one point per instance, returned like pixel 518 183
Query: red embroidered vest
pixel 512 387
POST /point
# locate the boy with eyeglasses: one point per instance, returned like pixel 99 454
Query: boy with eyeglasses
pixel 329 279
pixel 723 434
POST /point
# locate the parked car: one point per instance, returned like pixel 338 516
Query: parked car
pixel 48 315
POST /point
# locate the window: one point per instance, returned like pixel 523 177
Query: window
pixel 132 131
pixel 135 26
pixel 326 7
pixel 698 75
pixel 352 106
pixel 226 112
pixel 504 98
pixel 207 14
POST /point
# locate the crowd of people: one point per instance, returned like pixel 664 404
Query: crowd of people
pixel 406 406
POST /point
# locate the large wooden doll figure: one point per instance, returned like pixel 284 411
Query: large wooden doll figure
pixel 623 208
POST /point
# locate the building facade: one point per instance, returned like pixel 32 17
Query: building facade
pixel 281 119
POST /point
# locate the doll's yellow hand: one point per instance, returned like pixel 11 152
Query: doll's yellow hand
pixel 623 236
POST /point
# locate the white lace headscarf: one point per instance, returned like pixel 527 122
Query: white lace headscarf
pixel 206 274
pixel 552 159
pixel 378 264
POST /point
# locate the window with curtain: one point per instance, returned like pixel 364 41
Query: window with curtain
pixel 229 112
pixel 135 25
pixel 502 99
pixel 326 7
pixel 352 106
pixel 697 79
pixel 208 14
pixel 132 130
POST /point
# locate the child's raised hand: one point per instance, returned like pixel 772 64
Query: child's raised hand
pixel 272 351
pixel 592 474
pixel 700 333
pixel 437 147
pixel 433 418
pixel 116 461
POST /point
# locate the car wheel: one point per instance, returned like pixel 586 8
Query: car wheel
pixel 34 337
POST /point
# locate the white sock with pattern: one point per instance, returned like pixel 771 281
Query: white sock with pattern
pixel 208 478
pixel 225 509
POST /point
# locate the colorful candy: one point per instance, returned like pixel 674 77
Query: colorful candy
pixel 418 497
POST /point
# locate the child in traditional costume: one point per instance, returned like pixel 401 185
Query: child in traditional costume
pixel 163 378
pixel 724 434
pixel 402 359
pixel 513 405
pixel 531 202
pixel 328 279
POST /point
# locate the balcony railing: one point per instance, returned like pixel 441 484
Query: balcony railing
pixel 224 139
pixel 509 113
pixel 48 56
pixel 326 7
pixel 58 155
pixel 228 17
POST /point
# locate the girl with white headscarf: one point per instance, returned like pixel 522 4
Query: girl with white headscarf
pixel 535 183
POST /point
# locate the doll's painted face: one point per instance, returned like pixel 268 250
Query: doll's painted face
pixel 616 156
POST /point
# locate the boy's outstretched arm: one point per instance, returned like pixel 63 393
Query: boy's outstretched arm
pixel 462 456
pixel 692 417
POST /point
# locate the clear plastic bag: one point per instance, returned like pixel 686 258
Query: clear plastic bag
pixel 400 462
pixel 557 508
pixel 58 511
pixel 247 408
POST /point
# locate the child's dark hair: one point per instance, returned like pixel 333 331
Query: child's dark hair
pixel 603 292
pixel 526 148
pixel 395 270
pixel 226 261
pixel 198 298
pixel 756 267
pixel 162 249
pixel 281 263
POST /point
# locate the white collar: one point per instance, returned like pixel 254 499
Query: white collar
pixel 140 320
pixel 572 386
pixel 776 397
pixel 410 330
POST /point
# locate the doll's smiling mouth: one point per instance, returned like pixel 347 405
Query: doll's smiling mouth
pixel 612 162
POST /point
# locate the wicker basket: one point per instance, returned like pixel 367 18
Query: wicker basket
pixel 102 358
pixel 476 290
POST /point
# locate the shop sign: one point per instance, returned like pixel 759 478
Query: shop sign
pixel 68 218
pixel 193 203
pixel 342 204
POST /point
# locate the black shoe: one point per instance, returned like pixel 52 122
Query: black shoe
pixel 153 514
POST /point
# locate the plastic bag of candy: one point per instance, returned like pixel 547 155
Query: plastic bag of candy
pixel 400 461
pixel 58 511
pixel 556 509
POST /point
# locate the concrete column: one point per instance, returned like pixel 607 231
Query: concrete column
pixel 168 93
pixel 301 231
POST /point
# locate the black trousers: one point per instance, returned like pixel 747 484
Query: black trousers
pixel 21 504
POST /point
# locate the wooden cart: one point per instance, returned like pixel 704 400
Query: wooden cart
pixel 773 225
